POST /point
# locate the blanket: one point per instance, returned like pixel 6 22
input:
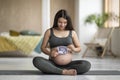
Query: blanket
pixel 5 45
pixel 26 44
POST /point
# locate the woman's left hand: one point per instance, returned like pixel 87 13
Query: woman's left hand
pixel 69 50
pixel 71 47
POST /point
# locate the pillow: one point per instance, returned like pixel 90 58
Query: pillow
pixel 101 41
pixel 4 34
pixel 38 47
pixel 14 33
pixel 29 32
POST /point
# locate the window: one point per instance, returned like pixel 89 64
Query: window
pixel 112 7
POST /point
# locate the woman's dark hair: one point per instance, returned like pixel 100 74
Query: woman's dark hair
pixel 63 13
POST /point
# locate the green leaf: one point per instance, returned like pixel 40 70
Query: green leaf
pixel 98 19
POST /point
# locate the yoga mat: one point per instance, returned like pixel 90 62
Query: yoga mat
pixel 101 72
pixel 35 72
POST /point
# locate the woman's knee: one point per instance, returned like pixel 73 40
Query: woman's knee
pixel 84 67
pixel 37 60
pixel 87 65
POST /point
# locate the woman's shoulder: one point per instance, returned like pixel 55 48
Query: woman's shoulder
pixel 47 32
pixel 73 33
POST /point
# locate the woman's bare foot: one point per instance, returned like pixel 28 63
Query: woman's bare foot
pixel 69 72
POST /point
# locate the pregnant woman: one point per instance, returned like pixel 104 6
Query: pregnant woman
pixel 63 42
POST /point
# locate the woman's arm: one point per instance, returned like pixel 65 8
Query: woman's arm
pixel 44 47
pixel 76 44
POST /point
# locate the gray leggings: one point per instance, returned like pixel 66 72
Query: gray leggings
pixel 48 66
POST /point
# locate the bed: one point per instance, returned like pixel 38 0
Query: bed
pixel 20 45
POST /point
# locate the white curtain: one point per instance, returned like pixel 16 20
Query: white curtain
pixel 112 7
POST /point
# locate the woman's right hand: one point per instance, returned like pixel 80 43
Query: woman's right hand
pixel 54 53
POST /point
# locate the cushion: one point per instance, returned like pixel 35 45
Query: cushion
pixel 4 34
pixel 38 47
pixel 102 42
pixel 29 32
pixel 14 33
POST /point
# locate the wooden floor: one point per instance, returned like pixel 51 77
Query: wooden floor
pixel 107 63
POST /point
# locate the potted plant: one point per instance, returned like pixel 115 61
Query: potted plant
pixel 98 19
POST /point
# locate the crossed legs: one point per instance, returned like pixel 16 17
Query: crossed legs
pixel 73 68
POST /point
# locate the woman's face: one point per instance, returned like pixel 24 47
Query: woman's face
pixel 62 23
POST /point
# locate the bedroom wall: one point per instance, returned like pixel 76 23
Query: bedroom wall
pixel 20 15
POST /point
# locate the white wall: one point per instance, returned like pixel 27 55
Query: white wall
pixel 86 32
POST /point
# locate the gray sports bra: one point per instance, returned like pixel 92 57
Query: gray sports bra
pixel 55 41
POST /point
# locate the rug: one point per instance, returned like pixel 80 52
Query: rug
pixel 36 72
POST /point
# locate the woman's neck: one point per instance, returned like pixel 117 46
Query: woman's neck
pixel 59 29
